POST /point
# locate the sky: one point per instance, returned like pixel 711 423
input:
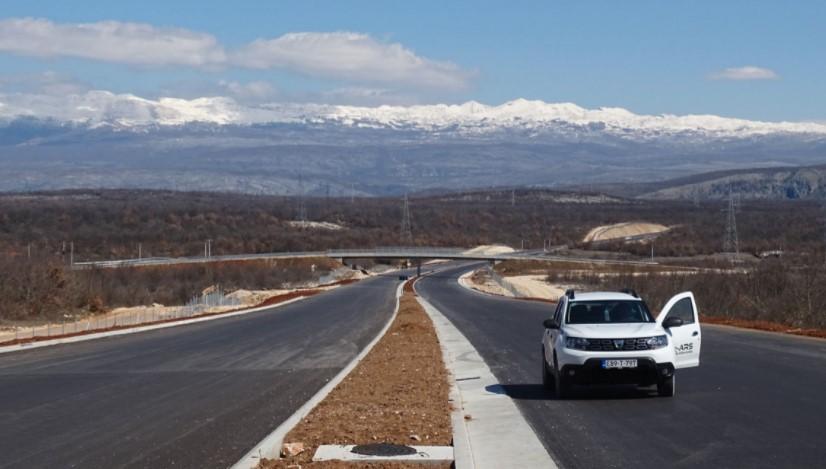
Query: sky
pixel 755 59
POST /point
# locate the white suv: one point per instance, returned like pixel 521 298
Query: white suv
pixel 608 337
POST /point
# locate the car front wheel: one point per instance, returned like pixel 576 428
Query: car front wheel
pixel 547 377
pixel 563 383
pixel 666 387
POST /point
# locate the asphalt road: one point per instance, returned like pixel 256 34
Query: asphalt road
pixel 757 399
pixel 193 396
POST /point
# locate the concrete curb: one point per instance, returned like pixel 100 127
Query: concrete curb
pixel 136 329
pixel 494 420
pixel 270 446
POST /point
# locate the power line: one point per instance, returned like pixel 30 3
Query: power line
pixel 406 232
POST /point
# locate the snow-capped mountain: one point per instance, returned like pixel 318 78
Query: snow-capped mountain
pixel 102 139
pixel 103 108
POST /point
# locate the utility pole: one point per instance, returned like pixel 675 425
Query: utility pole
pixel 140 251
pixel 652 250
pixel 72 253
pixel 731 243
pixel 406 232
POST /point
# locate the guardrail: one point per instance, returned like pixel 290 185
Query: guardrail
pixel 213 300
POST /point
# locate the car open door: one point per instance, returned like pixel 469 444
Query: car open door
pixel 686 338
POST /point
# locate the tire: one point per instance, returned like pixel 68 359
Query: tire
pixel 667 387
pixel 547 377
pixel 563 383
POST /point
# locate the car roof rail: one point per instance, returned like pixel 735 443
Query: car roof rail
pixel 570 293
pixel 630 291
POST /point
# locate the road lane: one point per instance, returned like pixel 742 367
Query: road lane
pixel 757 400
pixel 192 396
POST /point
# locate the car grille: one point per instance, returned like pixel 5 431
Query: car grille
pixel 618 345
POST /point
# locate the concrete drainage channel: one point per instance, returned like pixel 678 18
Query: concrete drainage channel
pixel 493 420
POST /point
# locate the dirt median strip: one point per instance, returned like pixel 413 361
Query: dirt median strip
pixel 398 394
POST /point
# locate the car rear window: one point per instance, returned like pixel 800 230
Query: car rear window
pixel 608 312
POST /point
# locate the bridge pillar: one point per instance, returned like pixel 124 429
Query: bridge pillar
pixel 418 268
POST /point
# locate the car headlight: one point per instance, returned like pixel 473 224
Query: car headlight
pixel 656 342
pixel 576 343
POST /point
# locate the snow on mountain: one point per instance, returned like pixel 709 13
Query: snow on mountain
pixel 103 108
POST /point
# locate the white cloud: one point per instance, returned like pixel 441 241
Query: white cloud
pixel 110 41
pixel 251 91
pixel 749 72
pixel 48 82
pixel 351 56
pixel 344 56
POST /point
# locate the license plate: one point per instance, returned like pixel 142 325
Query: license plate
pixel 608 364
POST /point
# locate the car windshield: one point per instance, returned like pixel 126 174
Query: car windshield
pixel 608 312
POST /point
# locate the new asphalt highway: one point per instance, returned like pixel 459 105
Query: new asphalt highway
pixel 192 396
pixel 757 400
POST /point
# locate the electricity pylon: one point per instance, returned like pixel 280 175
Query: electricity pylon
pixel 406 232
pixel 731 242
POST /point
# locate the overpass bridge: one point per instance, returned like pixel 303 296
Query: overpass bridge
pixel 414 254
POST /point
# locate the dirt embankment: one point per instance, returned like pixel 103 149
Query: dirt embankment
pixel 623 230
pixel 397 394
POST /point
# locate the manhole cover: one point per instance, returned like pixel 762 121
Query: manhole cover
pixel 383 449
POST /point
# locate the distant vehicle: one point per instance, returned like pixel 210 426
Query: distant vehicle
pixel 404 277
pixel 609 337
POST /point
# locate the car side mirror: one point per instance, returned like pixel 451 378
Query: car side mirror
pixel 550 324
pixel 672 322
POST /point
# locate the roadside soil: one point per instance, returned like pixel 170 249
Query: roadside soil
pixel 623 230
pixel 524 287
pixel 266 301
pixel 764 326
pixel 397 394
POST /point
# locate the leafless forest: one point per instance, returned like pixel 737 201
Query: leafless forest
pixel 41 233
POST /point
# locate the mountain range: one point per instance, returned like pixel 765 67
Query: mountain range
pixel 102 139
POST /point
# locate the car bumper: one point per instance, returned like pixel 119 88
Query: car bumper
pixel 584 367
pixel 646 373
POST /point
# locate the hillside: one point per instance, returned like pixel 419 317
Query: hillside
pixel 761 183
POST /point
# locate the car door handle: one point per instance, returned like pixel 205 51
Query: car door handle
pixel 695 334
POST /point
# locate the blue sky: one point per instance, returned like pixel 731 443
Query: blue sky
pixel 650 57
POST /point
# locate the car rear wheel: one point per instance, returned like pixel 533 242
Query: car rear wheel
pixel 666 387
